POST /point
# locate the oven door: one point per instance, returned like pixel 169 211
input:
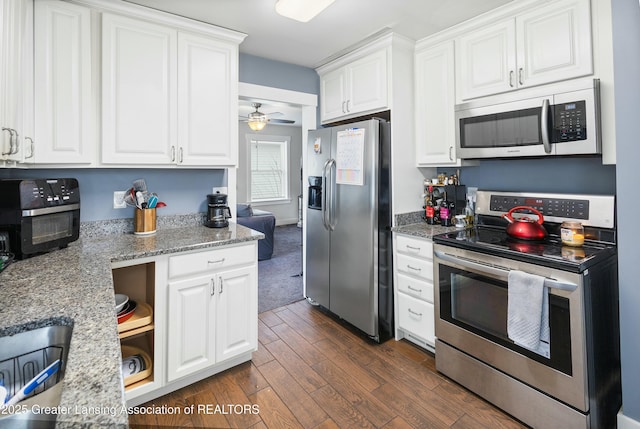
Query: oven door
pixel 471 296
pixel 49 228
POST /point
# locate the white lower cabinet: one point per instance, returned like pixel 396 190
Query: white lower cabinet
pixel 205 314
pixel 414 300
pixel 211 318
pixel 192 324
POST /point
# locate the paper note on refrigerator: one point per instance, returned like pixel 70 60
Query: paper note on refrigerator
pixel 349 157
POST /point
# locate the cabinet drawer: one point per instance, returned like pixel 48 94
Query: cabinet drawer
pixel 414 246
pixel 416 317
pixel 417 288
pixel 211 260
pixel 415 267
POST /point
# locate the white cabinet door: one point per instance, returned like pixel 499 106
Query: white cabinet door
pixel 435 103
pixel 192 325
pixel 207 101
pixel 554 43
pixel 16 76
pixel 548 44
pixel 367 83
pixel 356 88
pixel 333 95
pixel 237 313
pixel 487 61
pixel 63 108
pixel 138 92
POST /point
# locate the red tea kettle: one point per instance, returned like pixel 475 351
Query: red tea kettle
pixel 523 227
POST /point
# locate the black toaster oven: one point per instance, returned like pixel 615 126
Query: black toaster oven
pixel 39 215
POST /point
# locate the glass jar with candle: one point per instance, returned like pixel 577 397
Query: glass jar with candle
pixel 572 233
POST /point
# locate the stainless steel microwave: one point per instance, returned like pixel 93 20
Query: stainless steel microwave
pixel 559 123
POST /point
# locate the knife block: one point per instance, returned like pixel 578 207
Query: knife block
pixel 144 221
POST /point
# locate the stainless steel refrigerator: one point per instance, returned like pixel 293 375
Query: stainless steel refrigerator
pixel 348 233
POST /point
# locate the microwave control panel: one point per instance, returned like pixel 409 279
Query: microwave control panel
pixel 569 122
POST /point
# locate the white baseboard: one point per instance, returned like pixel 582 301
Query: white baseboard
pixel 625 422
pixel 280 222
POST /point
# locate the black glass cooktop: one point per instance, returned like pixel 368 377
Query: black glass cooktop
pixel 549 252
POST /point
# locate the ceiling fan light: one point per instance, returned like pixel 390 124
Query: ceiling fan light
pixel 301 10
pixel 256 125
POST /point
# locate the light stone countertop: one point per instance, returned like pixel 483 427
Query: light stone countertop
pixel 422 230
pixel 74 286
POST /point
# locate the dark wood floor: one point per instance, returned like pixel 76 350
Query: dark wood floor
pixel 312 372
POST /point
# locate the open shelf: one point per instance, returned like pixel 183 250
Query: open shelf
pixel 141 321
pixel 137 333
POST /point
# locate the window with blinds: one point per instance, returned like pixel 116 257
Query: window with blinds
pixel 269 156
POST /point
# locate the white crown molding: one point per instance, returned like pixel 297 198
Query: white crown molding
pixel 156 16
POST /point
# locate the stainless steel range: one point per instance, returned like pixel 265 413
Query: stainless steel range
pixel 532 326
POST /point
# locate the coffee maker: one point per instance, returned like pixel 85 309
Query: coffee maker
pixel 217 211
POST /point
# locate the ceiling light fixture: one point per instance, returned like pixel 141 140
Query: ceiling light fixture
pixel 257 120
pixel 301 10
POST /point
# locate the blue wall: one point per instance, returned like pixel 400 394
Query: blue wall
pixel 184 191
pixel 626 52
pixel 276 74
pixel 579 175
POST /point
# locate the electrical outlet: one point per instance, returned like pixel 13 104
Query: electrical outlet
pixel 118 200
pixel 219 190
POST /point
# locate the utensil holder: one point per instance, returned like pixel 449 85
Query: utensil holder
pixel 144 221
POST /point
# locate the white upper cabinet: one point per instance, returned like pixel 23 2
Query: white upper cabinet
pixel 487 61
pixel 207 101
pixel 434 105
pixel 548 44
pixel 139 89
pixel 16 80
pixel 169 97
pixel 63 108
pixel 357 86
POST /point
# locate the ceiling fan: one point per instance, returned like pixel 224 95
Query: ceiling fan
pixel 258 120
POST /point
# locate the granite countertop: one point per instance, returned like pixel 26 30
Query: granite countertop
pixel 422 229
pixel 74 285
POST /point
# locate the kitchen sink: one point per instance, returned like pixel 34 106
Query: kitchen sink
pixel 22 357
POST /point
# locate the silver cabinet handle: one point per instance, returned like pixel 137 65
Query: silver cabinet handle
pixel 13 134
pixel 413 248
pixel 217 261
pixel 221 284
pixel 520 76
pixel 343 110
pixel 213 287
pixel 348 106
pixel 414 289
pixel 511 78
pixel 413 268
pixel 173 153
pixel 451 153
pixel 414 313
pixel 181 155
pixel 32 147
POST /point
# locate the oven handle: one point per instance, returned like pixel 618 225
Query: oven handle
pixel 50 210
pixel 502 273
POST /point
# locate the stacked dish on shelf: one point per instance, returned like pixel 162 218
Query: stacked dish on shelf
pixel 133 319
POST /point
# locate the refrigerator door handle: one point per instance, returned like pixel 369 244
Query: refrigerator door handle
pixel 331 167
pixel 325 191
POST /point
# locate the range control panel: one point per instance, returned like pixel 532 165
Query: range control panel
pixel 556 207
pixel 593 210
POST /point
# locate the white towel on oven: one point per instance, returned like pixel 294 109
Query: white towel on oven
pixel 528 311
